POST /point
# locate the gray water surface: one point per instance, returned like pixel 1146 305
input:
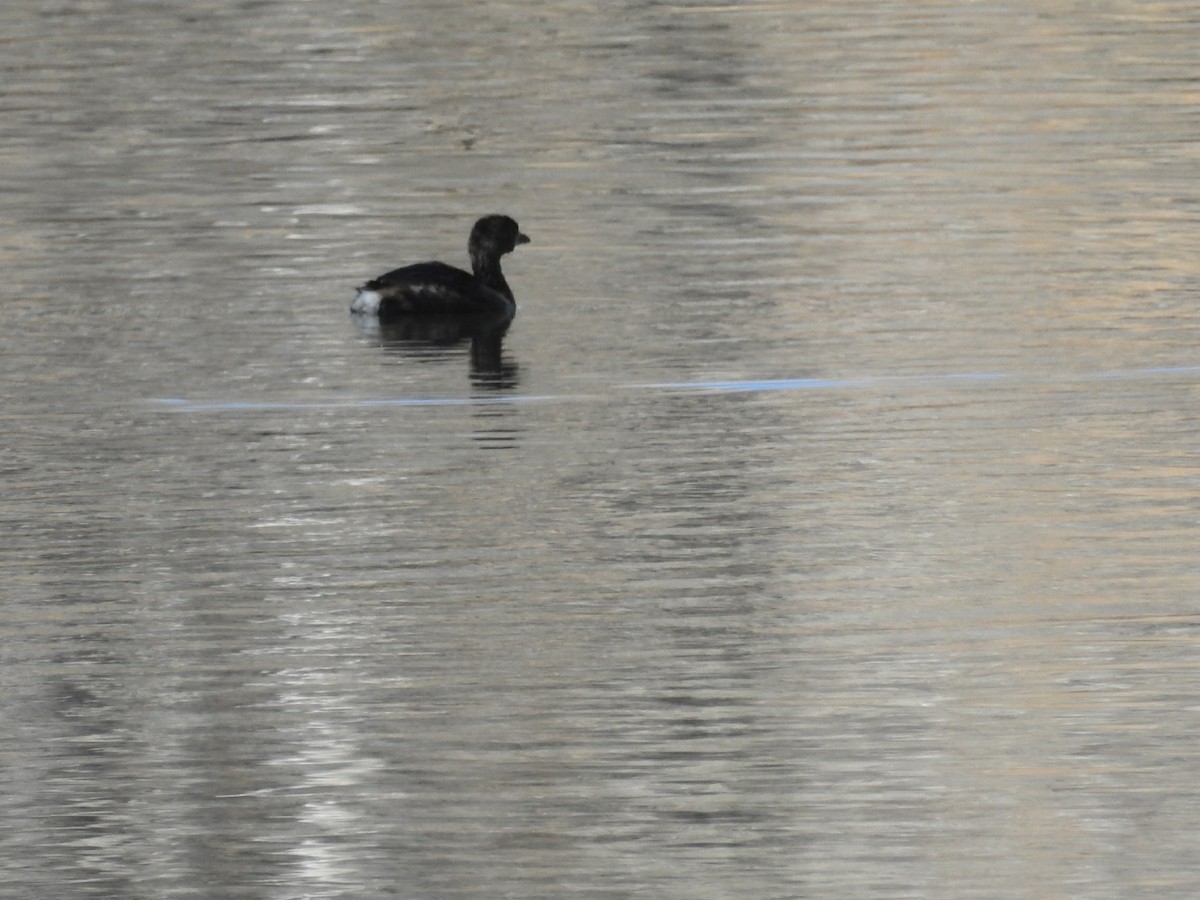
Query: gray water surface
pixel 825 527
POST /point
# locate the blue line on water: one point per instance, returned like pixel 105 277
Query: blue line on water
pixel 1147 373
pixel 809 384
pixel 179 404
pixel 782 384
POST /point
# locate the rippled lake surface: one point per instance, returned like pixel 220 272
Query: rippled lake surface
pixel 826 525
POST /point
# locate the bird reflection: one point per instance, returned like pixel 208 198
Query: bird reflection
pixel 427 337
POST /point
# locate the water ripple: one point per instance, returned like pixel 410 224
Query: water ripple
pixel 184 405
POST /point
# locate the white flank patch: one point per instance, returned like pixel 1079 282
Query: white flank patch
pixel 367 303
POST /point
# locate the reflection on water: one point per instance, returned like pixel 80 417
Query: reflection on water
pixel 823 525
pixel 437 337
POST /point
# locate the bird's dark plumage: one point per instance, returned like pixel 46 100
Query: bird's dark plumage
pixel 434 288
